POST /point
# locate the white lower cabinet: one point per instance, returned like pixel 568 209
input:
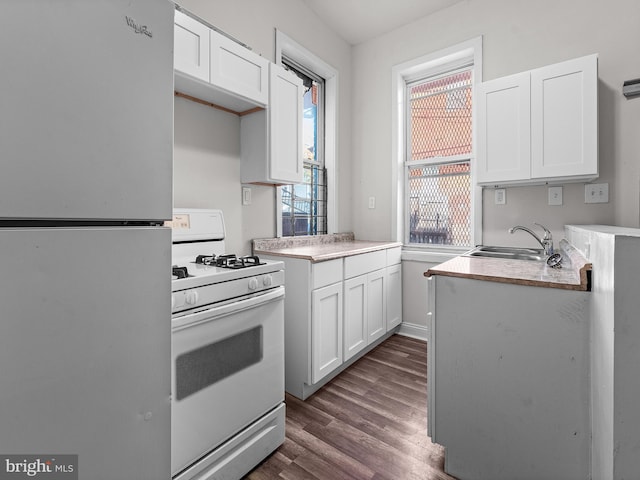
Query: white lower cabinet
pixel 509 379
pixel 355 314
pixel 394 296
pixel 376 305
pixel 335 311
pixel 326 335
pixel 372 307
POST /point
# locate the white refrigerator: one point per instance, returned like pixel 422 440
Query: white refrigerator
pixel 86 142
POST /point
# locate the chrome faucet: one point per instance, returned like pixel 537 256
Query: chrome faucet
pixel 546 241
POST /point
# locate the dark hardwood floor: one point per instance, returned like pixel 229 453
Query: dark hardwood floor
pixel 370 423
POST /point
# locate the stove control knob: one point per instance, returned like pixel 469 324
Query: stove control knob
pixel 267 280
pixel 253 283
pixel 191 297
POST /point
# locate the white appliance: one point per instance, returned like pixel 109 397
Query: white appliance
pixel 86 134
pixel 227 366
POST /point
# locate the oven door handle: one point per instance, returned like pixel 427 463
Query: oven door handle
pixel 214 312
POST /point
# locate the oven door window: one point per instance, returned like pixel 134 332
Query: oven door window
pixel 204 366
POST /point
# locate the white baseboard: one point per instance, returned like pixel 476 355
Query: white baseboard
pixel 414 331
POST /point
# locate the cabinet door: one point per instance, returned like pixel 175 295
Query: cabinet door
pixel 394 296
pixel 564 124
pixel 355 315
pixel 326 326
pixel 504 130
pixel 238 69
pixel 191 46
pixel 376 305
pixel 285 126
pixel 431 357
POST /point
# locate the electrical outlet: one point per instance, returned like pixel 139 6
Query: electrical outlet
pixel 596 193
pixel 500 196
pixel 555 195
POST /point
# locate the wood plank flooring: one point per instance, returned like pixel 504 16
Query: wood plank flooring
pixel 369 423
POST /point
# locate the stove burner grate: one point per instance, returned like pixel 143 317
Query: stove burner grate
pixel 179 272
pixel 229 261
pixel 206 259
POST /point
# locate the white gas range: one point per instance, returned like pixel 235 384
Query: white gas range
pixel 227 352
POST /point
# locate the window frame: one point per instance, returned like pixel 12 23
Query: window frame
pixel 317 163
pixel 290 49
pixel 437 63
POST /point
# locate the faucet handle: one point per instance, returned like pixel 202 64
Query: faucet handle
pixel 547 233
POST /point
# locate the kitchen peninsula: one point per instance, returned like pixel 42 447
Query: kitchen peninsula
pixel 508 366
pixel 344 297
pixel 575 273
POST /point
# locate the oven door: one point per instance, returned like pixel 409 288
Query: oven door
pixel 227 371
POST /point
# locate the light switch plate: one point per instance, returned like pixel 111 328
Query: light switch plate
pixel 372 202
pixel 500 196
pixel 596 193
pixel 246 196
pixel 555 195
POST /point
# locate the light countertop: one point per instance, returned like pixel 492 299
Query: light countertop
pixel 574 274
pixel 326 247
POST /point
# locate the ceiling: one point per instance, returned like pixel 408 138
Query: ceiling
pixel 359 20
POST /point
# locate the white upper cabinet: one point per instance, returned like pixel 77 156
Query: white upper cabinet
pixel 215 69
pixel 504 120
pixel 191 46
pixel 564 119
pixel 271 140
pixel 539 126
pixel 238 70
pixel 285 121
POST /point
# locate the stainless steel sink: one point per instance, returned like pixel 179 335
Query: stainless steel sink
pixel 510 253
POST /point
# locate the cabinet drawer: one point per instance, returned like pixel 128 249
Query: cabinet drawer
pixel 394 255
pixel 364 263
pixel 326 273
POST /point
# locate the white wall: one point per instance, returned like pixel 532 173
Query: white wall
pixel 207 141
pixel 517 35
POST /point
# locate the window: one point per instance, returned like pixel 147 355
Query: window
pixel 304 205
pixel 312 202
pixel 438 166
pixel 437 203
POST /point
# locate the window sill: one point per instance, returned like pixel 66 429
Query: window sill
pixel 429 256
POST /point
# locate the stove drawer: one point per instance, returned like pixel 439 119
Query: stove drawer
pixel 243 452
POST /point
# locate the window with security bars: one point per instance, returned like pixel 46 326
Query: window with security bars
pixel 438 165
pixel 304 206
